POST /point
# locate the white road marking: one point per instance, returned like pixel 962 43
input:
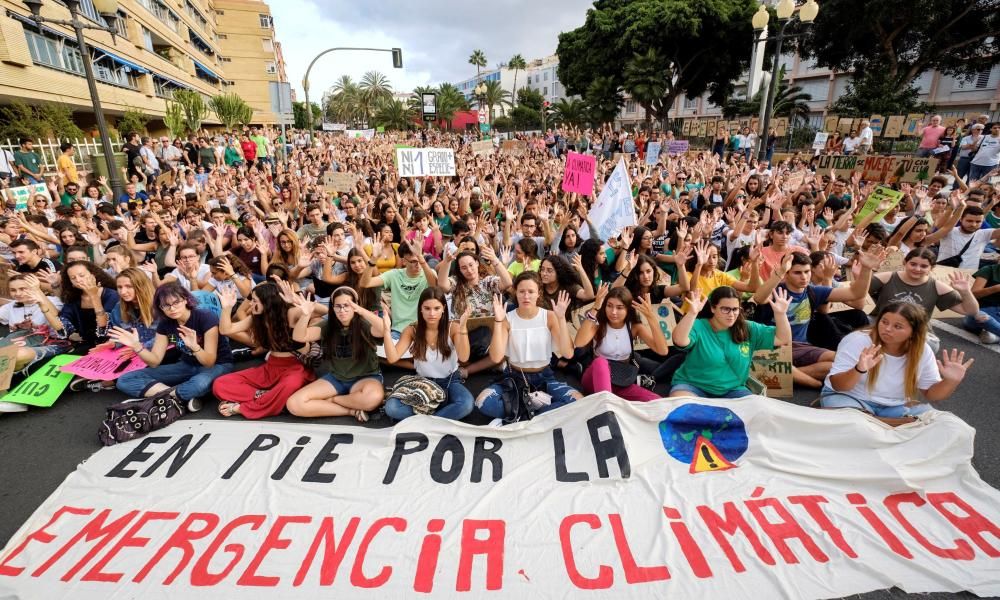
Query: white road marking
pixel 965 335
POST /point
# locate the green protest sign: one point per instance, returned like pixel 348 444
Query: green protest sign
pixel 880 202
pixel 43 387
pixel 380 129
pixel 22 195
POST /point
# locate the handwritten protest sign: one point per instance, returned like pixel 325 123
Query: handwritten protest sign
pixel 652 153
pixel 781 126
pixel 514 147
pixel 842 165
pixel 686 127
pixel 421 162
pixel 819 142
pixel 43 387
pixel 880 202
pixel 876 122
pixel 603 498
pixel 678 146
pixel 795 179
pixel 614 209
pixel 106 365
pixel 339 181
pixel 665 322
pixel 21 195
pixel 845 124
pixel 482 148
pixel 894 126
pixel 913 121
pixel 702 128
pixel 579 174
pixel 773 368
pixel 830 123
pixel 365 134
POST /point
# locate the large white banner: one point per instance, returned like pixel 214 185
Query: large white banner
pixel 682 498
pixel 420 162
pixel 614 209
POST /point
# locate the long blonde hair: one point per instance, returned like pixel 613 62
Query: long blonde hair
pixel 143 297
pixel 916 316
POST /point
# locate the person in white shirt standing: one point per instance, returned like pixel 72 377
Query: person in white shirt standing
pixel 968 146
pixel 963 245
pixel 865 138
pixel 988 156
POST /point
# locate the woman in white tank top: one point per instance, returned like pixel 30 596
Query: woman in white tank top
pixel 527 337
pixel 437 345
pixel 611 328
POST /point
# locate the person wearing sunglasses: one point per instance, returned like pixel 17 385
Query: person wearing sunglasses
pixel 720 343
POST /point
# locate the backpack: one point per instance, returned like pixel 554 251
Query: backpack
pixel 419 393
pixel 135 418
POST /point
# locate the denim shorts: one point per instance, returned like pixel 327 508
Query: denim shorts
pixel 344 386
pixel 739 392
pixel 832 399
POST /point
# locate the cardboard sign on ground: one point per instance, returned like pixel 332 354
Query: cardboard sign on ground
pixel 514 147
pixel 773 368
pixel 45 385
pixel 483 148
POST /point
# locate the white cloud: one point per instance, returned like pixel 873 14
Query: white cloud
pixel 436 36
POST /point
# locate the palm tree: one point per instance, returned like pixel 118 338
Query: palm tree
pixel 375 89
pixel 394 115
pixel 569 112
pixel 495 96
pixel 342 102
pixel 789 101
pixel 517 63
pixel 644 80
pixel 478 58
pixel 604 99
pixel 450 101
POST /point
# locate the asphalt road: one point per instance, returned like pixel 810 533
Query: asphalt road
pixel 39 448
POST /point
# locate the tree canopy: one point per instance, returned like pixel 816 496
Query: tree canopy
pixel 687 44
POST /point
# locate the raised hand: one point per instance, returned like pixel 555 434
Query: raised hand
pixel 506 254
pixel 499 308
pixel 601 295
pixel 489 254
pixel 701 252
pixel 870 356
pixel 959 281
pixel 306 305
pixel 952 368
pixel 696 300
pixel 126 337
pixel 561 304
pixel 644 306
pixel 386 319
pixel 873 258
pixel 227 297
pixel 779 301
pixel 188 336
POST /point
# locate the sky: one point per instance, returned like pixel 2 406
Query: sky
pixel 437 37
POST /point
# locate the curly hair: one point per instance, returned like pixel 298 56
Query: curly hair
pixel 566 277
pixel 270 328
pixel 69 293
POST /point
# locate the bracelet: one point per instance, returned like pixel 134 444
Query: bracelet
pixel 859 370
pixel 498 321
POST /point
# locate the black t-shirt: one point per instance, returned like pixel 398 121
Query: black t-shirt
pixel 141 237
pixel 191 151
pixel 131 154
pixel 45 264
pixel 200 321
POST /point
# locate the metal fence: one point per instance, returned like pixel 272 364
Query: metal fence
pixel 48 150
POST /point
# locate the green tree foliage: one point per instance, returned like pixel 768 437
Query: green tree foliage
pixel 495 96
pixel 343 102
pixel 604 99
pixel 59 119
pixel 688 43
pixel 789 101
pixel 415 101
pixel 174 119
pixel 478 60
pixel 194 108
pixel 394 115
pixel 525 117
pixel 450 101
pixel 133 119
pixel 503 123
pixel 231 109
pixel 569 112
pixel 20 120
pixel 374 89
pixel 517 63
pixel 645 82
pixel 873 94
pixel 302 117
pixel 530 98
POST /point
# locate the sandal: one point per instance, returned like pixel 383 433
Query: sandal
pixel 228 409
pixel 360 415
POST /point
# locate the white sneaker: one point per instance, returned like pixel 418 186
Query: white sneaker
pixel 985 337
pixel 194 405
pixel 12 407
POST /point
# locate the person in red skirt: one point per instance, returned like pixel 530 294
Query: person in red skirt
pixel 261 391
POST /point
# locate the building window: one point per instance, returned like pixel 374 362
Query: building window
pixel 147 40
pixel 161 12
pixel 265 21
pixel 121 25
pixel 195 14
pixel 690 103
pixel 979 81
pixel 268 44
pixel 630 106
pixel 545 76
pixel 270 67
pixel 60 54
pixel 545 91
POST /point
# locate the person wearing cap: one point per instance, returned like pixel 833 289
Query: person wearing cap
pixel 967 146
pixel 987 157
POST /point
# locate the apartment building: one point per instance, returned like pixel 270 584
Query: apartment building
pixel 542 75
pixel 159 46
pixel 253 59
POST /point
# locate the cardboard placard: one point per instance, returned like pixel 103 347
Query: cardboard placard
pixel 652 152
pixel 679 146
pixel 339 181
pixel 8 361
pixel 665 321
pixel 578 176
pixel 913 121
pixel 514 147
pixel 844 125
pixel 421 162
pixel 819 142
pixel 22 195
pixel 842 165
pixel 773 368
pixel 795 180
pixel 781 126
pixel 45 385
pixel 106 365
pixel 702 129
pixel 482 148
pixel 686 127
pixel 894 127
pixel 880 202
pixel 876 122
pixel 830 123
pixel 711 127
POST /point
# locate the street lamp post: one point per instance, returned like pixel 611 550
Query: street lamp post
pixel 785 11
pixel 397 62
pixel 108 10
pixel 480 93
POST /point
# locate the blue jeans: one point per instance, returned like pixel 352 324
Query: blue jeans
pixel 343 386
pixel 191 381
pixel 739 392
pixel 977 172
pixel 924 152
pixel 833 399
pixel 992 324
pixel 491 404
pixel 456 406
pixel 962 166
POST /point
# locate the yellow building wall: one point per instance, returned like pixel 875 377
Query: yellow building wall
pixel 243 46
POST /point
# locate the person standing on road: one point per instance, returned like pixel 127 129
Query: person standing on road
pixel 988 156
pixel 26 162
pixel 929 134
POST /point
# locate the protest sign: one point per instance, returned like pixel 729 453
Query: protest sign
pixel 614 209
pixel 894 126
pixel 911 169
pixel 819 142
pixel 711 127
pixel 21 195
pixel 42 388
pixel 773 368
pixel 880 202
pixel 578 176
pixel 339 181
pixel 686 127
pixel 678 146
pixel 844 125
pixel 876 122
pixel 702 129
pixel 514 147
pixel 421 162
pixel 482 148
pixel 665 322
pixel 842 165
pixel 652 153
pixel 830 123
pixel 913 122
pixel 366 134
pixel 795 179
pixel 754 123
pixel 106 365
pixel 8 361
pixel 743 122
pixel 685 498
pixel 334 126
pixel 781 126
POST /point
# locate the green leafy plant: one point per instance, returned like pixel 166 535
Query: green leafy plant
pixel 59 119
pixel 230 109
pixel 174 119
pixel 134 119
pixel 394 115
pixel 194 108
pixel 19 120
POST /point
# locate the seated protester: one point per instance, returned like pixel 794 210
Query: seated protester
pixel 229 273
pixel 205 355
pixel 358 264
pixel 527 337
pixel 720 343
pixel 404 284
pixel 810 364
pixel 638 240
pixel 963 246
pixel 525 257
pixel 288 252
pixel 913 284
pixel 709 277
pixel 642 277
pixel 910 234
pixel 558 275
pixel 134 312
pixel 386 259
pixel 437 345
pixel 353 385
pixel 29 258
pixel 117 259
pixel 986 322
pixel 611 329
pixel 88 295
pixel 261 391
pixel 426 229
pixel 596 261
pixel 569 243
pixel 883 371
pixel 29 328
pixel 191 274
pixel 472 288
pixel 779 234
pixel 248 250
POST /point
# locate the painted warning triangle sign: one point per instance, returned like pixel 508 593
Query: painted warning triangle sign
pixel 708 458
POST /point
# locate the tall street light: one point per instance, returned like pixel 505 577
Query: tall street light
pixel 785 11
pixel 108 10
pixel 397 63
pixel 480 93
